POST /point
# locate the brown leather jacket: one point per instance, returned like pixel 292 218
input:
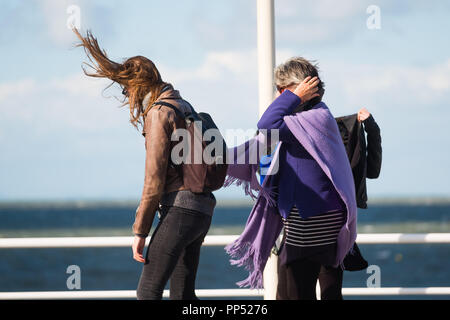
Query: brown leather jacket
pixel 160 176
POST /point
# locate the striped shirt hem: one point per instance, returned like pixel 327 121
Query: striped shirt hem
pixel 314 231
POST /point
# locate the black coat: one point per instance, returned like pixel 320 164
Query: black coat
pixel 365 159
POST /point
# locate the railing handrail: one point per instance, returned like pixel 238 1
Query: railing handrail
pixel 212 293
pixel 211 240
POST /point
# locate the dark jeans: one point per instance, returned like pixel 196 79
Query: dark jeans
pixel 297 281
pixel 174 253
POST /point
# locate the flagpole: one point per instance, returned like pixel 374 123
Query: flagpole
pixel 266 66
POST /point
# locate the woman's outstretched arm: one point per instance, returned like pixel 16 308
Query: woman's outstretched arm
pixel 157 143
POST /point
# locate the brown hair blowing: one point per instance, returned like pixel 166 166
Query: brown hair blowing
pixel 138 75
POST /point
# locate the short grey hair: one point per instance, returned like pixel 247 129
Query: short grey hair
pixel 294 71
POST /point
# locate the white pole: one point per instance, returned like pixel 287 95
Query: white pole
pixel 266 66
pixel 266 52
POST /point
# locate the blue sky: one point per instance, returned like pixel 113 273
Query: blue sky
pixel 62 138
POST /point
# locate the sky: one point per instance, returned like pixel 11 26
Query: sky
pixel 63 137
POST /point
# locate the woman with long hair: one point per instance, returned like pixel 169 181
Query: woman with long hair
pixel 185 216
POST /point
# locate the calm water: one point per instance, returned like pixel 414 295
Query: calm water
pixel 114 269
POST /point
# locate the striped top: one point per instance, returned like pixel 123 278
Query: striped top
pixel 319 230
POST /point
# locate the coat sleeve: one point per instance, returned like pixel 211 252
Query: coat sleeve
pixel 272 118
pixel 157 143
pixel 374 150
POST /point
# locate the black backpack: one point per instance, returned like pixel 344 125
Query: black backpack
pixel 208 175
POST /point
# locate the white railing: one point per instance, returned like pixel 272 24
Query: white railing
pixel 212 293
pixel 88 242
pixel 97 242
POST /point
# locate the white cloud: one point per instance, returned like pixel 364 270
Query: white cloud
pixel 406 85
pixel 12 92
pixel 283 55
pixel 224 84
pixel 439 79
pixel 323 9
pixel 215 66
pixel 70 102
pixel 313 22
pixel 79 84
pixel 21 87
pixel 236 65
pixel 56 15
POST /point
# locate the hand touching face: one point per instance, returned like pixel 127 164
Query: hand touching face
pixel 307 90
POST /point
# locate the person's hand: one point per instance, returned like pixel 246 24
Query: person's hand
pixel 138 248
pixel 363 114
pixel 307 90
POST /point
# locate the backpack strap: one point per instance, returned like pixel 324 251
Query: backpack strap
pixel 185 101
pixel 171 106
pixel 182 116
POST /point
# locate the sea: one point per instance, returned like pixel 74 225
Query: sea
pixel 400 265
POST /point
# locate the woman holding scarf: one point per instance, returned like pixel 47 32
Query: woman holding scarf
pixel 312 193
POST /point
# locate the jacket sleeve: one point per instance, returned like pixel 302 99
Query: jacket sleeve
pixel 272 118
pixel 157 144
pixel 374 150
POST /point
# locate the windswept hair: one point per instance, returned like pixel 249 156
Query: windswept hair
pixel 137 75
pixel 294 71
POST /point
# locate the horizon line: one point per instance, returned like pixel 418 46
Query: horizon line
pixel 225 202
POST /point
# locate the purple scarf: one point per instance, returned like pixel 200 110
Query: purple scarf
pixel 317 131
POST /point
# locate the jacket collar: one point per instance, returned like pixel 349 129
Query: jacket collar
pixel 168 92
pixel 348 121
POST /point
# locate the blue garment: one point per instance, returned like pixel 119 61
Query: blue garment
pixel 302 182
pixel 264 165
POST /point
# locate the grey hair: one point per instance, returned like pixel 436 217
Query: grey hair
pixel 294 71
